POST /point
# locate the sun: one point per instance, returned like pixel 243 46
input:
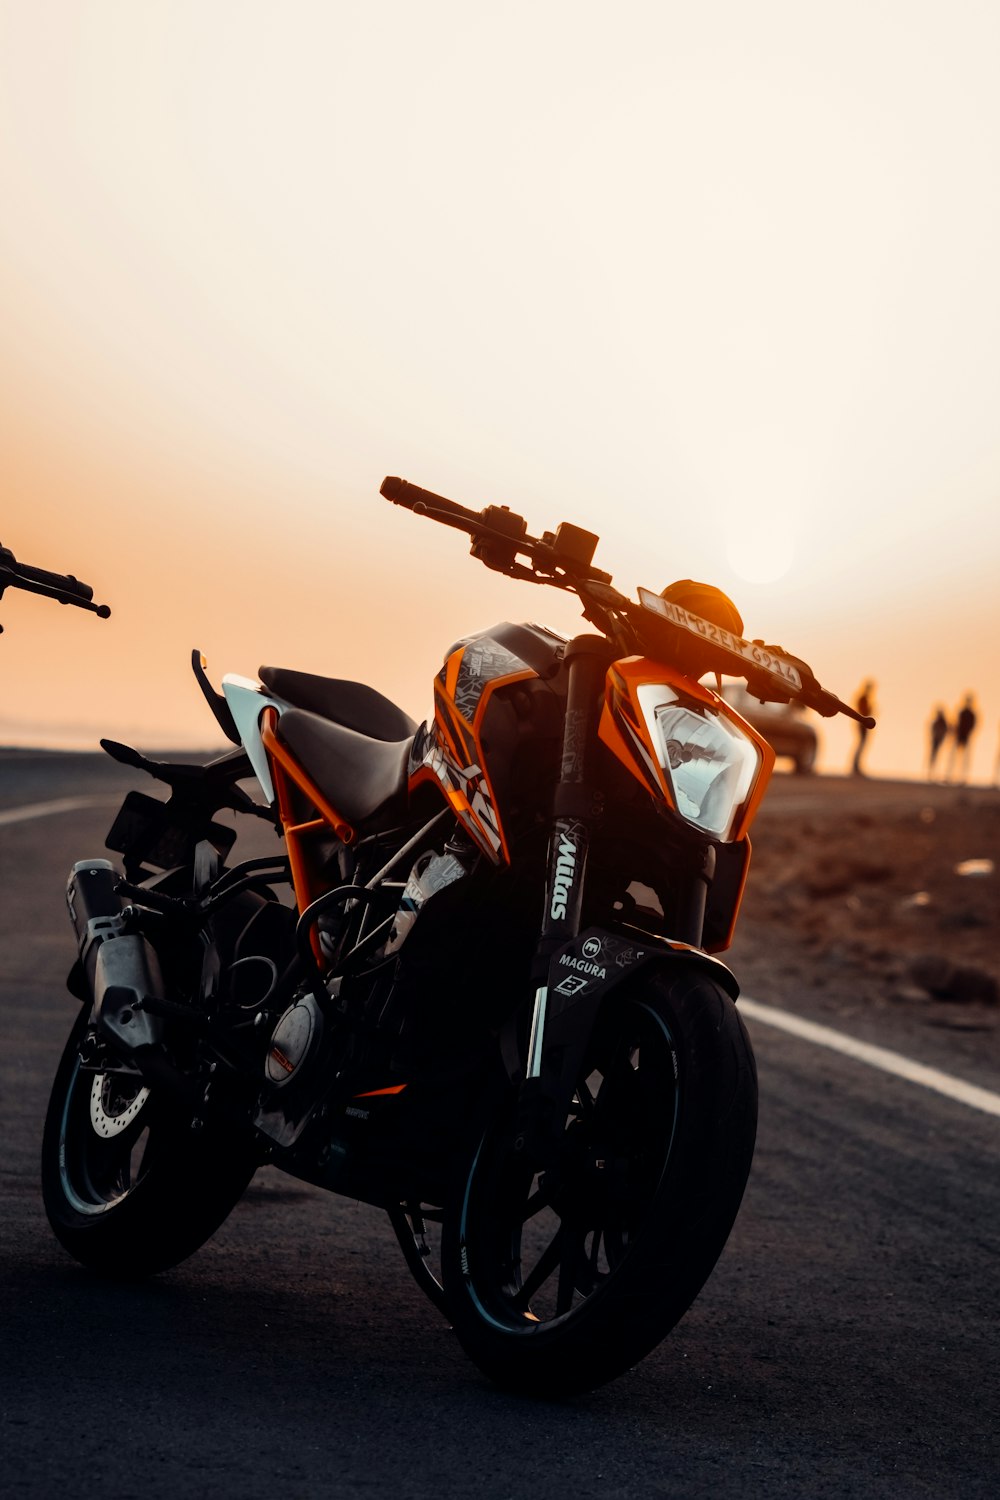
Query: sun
pixel 762 555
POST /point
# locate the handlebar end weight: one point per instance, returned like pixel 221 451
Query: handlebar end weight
pixel 394 489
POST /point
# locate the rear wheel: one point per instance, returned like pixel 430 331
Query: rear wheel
pixel 560 1279
pixel 129 1189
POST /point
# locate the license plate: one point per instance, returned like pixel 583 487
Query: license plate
pixel 759 658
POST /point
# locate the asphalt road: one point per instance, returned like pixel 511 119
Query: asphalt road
pixel 846 1345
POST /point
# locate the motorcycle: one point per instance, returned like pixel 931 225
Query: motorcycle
pixel 479 987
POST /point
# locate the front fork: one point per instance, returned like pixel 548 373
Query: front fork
pixel 574 969
pixel 577 807
pixel 553 1047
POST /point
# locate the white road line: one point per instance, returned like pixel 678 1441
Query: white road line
pixel 875 1057
pixel 59 805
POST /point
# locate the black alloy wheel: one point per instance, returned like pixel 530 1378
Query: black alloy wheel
pixel 129 1188
pixel 559 1278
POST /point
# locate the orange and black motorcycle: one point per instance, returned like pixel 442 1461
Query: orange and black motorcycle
pixel 477 988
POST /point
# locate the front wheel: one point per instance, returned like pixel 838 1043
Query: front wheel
pixel 560 1279
pixel 128 1188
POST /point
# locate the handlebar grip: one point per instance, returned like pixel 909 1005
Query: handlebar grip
pixel 828 704
pixel 402 492
pixel 64 581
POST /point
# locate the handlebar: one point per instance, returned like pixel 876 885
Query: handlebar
pixel 63 587
pixel 64 582
pixel 412 497
pixel 563 559
pixel 499 536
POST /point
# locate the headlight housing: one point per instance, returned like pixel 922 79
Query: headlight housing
pixel 707 760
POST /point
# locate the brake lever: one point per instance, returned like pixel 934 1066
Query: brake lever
pixel 812 694
pixel 12 578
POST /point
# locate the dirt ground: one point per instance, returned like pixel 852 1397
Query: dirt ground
pixel 876 898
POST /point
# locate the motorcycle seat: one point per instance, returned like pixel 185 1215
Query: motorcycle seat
pixel 352 704
pixel 363 778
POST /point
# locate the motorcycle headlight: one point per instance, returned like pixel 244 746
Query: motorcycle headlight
pixel 709 763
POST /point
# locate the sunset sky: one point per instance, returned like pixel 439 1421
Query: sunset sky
pixel 720 282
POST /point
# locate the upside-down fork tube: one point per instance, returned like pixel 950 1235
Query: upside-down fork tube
pixel 576 809
pixel 582 974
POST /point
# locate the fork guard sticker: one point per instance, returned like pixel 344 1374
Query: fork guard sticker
pixel 590 964
pixel 596 961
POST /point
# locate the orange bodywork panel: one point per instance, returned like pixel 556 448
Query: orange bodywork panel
pixel 452 755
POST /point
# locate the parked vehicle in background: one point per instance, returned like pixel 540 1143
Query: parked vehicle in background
pixel 783 725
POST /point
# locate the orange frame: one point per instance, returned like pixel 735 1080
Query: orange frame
pixel 301 834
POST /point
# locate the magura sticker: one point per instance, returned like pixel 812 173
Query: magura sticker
pixel 583 966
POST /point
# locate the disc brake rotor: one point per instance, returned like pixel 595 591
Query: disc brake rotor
pixel 111 1111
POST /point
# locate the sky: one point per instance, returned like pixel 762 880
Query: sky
pixel 718 282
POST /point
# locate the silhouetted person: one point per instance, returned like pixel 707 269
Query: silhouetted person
pixel 863 704
pixel 965 723
pixel 939 733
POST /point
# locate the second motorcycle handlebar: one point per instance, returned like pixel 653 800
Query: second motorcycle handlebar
pixel 64 582
pixel 63 587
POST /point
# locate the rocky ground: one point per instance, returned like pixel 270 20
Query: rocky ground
pixel 870 898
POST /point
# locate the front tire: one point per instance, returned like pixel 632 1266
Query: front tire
pixel 129 1188
pixel 558 1281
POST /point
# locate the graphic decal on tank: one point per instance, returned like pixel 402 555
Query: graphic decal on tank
pixel 448 749
pixel 482 663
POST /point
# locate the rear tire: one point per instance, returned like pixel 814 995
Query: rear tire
pixel 559 1281
pixel 129 1188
